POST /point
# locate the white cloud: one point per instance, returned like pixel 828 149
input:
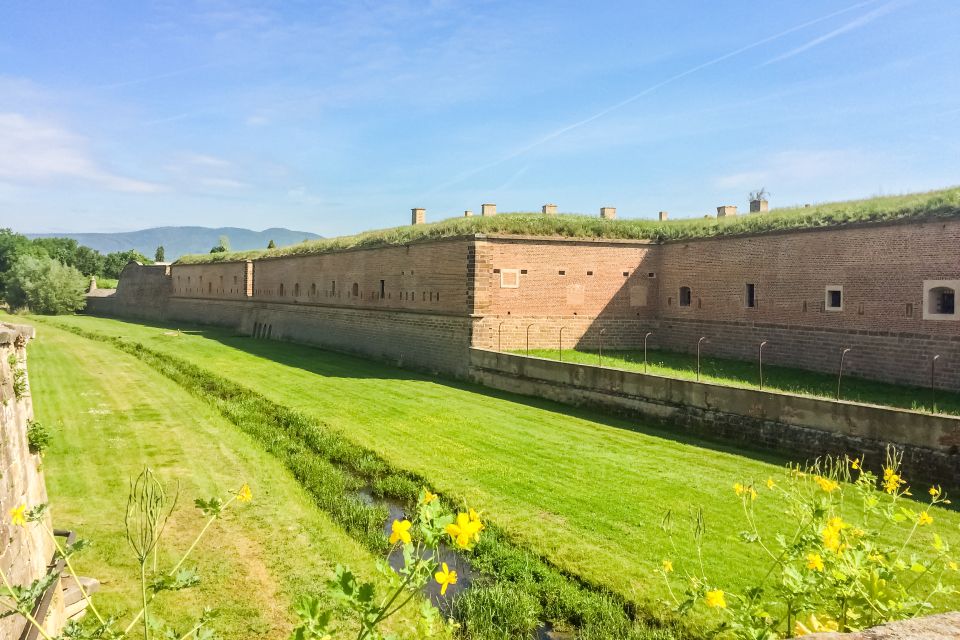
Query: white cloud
pixel 33 151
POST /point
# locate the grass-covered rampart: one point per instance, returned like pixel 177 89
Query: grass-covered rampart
pixel 934 204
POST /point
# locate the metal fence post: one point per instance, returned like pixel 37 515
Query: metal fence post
pixel 762 344
pixel 843 355
pixel 649 333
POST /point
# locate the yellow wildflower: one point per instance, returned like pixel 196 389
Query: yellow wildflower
pixel 770 483
pixel 739 489
pixel 18 517
pixel 924 519
pixel 716 600
pixel 854 463
pixel 953 565
pixel 814 561
pixel 827 484
pixel 891 480
pixel 400 530
pixel 428 497
pixel 667 566
pixel 445 578
pixel 245 495
pixel 935 492
pixel 745 490
pixel 464 530
pixel 876 557
pixel 831 535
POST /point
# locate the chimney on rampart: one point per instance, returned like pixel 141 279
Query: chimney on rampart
pixel 418 216
pixel 727 210
pixel 550 209
pixel 663 215
pixel 488 210
pixel 759 206
pixel 608 213
pixel 468 214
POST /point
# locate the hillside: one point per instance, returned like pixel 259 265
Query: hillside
pixel 932 204
pixel 179 241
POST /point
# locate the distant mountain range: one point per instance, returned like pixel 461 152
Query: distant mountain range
pixel 178 241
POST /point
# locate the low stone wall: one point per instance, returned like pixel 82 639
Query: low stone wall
pixel 800 426
pixel 26 550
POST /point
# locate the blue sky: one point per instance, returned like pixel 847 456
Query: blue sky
pixel 335 117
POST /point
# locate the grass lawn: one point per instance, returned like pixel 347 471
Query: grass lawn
pixel 111 415
pixel 582 489
pixel 738 373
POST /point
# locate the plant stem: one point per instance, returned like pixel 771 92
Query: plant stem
pixel 25 614
pixel 73 574
pixel 182 560
pixel 143 593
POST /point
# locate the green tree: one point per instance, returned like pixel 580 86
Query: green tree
pixel 44 285
pixel 12 246
pixel 225 243
pixel 159 256
pixel 271 245
pixel 218 249
pixel 116 261
pixel 68 251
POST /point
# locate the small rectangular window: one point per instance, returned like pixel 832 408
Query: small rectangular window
pixel 523 271
pixel 751 296
pixel 626 274
pixel 589 273
pixel 909 309
pixel 833 299
pixel 563 273
pixel 383 288
pixel 685 296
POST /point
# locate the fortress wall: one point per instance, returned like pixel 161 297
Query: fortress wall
pixel 581 286
pixel 432 342
pixel 881 268
pixel 142 292
pixel 25 550
pixel 426 276
pixel 218 280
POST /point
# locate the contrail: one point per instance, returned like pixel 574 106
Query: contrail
pixel 863 20
pixel 683 74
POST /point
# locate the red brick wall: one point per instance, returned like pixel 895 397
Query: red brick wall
pixel 426 277
pixel 881 269
pixel 603 285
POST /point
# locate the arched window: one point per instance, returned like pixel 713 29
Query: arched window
pixel 209 287
pixel 684 296
pixel 356 289
pixel 313 289
pixel 281 289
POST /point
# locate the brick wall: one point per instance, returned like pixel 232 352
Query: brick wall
pixel 882 269
pixel 581 286
pixel 425 276
pixel 505 284
pixel 25 550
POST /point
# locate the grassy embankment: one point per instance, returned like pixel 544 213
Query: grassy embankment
pixel 110 415
pixel 738 373
pixel 933 204
pixel 583 490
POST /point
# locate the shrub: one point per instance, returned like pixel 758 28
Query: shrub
pixel 45 286
pixel 38 437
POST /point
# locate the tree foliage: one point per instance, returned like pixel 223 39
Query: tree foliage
pixel 44 285
pixel 160 255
